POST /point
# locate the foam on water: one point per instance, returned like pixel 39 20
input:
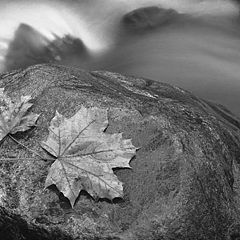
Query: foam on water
pixel 94 20
pixel 196 7
pixel 202 56
pixel 49 19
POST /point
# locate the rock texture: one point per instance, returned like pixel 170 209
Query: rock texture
pixel 184 181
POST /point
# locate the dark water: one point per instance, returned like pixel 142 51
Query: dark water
pixel 198 51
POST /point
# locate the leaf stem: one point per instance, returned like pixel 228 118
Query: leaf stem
pixel 30 150
pixel 16 159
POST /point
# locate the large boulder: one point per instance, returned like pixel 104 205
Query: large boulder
pixel 148 18
pixel 30 47
pixel 184 181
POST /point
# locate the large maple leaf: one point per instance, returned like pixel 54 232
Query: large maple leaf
pixel 85 155
pixel 14 116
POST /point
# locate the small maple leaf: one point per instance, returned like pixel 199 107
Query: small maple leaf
pixel 85 155
pixel 14 117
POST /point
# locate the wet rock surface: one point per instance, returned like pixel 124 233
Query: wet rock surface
pixel 184 181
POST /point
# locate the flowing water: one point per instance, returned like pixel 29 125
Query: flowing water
pixel 200 51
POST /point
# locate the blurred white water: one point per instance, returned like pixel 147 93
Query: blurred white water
pixel 203 58
pixel 201 53
pixel 94 21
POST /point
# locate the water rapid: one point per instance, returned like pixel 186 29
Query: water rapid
pixel 196 47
